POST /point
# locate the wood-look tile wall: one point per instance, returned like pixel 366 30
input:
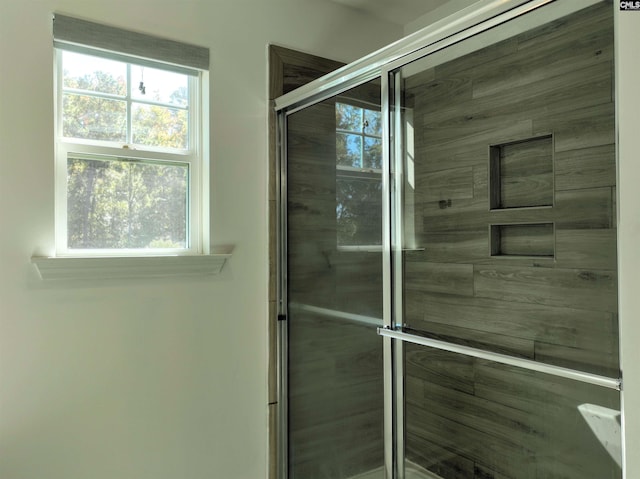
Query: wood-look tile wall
pixel 468 418
pixel 546 290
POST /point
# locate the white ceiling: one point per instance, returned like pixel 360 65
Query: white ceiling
pixel 399 12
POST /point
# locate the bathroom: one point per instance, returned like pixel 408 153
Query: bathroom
pixel 173 376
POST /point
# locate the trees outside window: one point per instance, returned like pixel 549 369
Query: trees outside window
pixel 127 158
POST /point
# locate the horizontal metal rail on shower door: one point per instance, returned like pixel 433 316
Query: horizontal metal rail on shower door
pixel 335 314
pixel 528 364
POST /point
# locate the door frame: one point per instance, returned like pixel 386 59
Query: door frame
pixel 288 69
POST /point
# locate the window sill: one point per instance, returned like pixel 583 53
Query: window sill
pixel 135 267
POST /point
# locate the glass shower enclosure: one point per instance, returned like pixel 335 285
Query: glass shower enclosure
pixel 448 276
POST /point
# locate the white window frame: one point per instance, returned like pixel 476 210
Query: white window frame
pixel 194 156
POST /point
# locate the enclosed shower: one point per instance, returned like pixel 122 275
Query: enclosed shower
pixel 448 271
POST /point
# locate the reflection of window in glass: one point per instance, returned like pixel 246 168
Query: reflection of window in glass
pixel 359 176
pixel 129 166
pixel 358 137
pixel 359 210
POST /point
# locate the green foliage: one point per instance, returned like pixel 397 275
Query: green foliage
pixel 358 142
pixel 97 81
pixel 155 125
pixel 126 204
pixel 348 150
pixel 348 146
pixel 359 203
pixel 123 203
pixel 348 117
pixel 373 122
pixel 372 153
pixel 91 117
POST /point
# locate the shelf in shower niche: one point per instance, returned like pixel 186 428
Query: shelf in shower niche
pixel 521 173
pixel 527 240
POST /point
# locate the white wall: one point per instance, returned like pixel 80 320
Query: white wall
pixel 449 8
pixel 160 378
pixel 628 104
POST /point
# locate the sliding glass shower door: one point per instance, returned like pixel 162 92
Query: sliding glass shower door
pixel 508 243
pixel 449 277
pixel 334 294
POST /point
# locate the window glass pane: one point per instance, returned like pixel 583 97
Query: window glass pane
pixel 155 125
pixel 349 150
pixel 91 73
pixel 373 123
pixel 348 117
pixel 94 118
pixel 358 211
pixel 372 153
pixel 114 204
pixel 150 84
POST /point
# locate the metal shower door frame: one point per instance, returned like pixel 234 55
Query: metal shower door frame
pixel 477 18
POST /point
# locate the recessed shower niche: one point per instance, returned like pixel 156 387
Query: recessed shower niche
pixel 521 173
pixel 525 240
pixel 521 177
